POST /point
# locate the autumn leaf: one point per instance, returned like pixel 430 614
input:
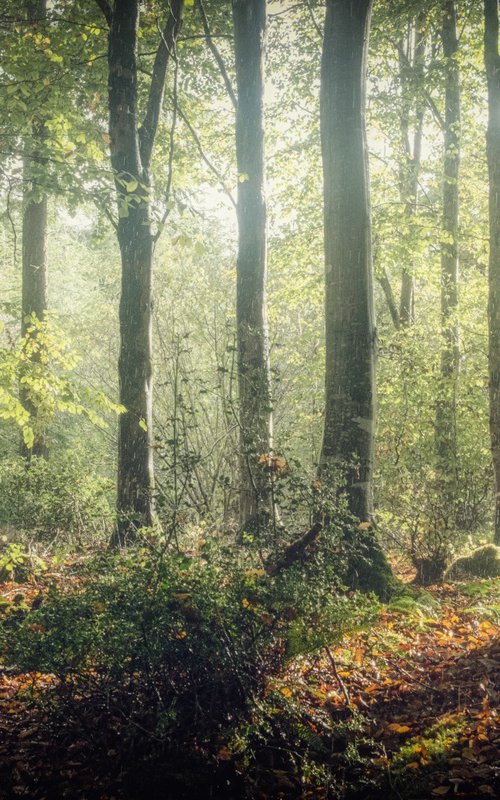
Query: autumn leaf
pixel 397 728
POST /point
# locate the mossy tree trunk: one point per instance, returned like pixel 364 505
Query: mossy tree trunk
pixel 446 438
pixel 350 408
pixel 34 251
pixel 349 427
pixel 254 377
pixel 492 63
pixel 131 148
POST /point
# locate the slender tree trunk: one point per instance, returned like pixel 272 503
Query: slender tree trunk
pixel 348 439
pixel 253 345
pixel 492 62
pixel 131 149
pixel 446 444
pixel 34 250
pixel 411 74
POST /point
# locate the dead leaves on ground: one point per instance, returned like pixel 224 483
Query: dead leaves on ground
pixel 424 691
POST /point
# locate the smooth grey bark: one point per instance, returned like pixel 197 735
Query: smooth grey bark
pixel 131 148
pixel 348 439
pixel 446 440
pixel 492 63
pixel 254 379
pixel 34 282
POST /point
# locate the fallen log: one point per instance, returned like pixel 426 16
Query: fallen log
pixel 294 552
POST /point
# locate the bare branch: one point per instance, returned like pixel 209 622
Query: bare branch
pixel 295 551
pixel 170 174
pixel 425 94
pixel 166 49
pixel 207 161
pixel 216 54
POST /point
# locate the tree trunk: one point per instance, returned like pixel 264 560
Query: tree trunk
pixel 410 75
pixel 390 299
pixel 348 439
pixel 251 318
pixel 492 62
pixel 131 149
pixel 34 250
pixel 446 444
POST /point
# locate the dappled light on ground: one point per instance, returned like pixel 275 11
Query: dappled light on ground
pixel 406 709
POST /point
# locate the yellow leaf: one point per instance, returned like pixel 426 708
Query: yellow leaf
pixel 397 728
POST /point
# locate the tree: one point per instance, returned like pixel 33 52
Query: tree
pixel 411 77
pixel 251 319
pixel 492 63
pixel 349 425
pixel 131 149
pixel 34 246
pixel 446 406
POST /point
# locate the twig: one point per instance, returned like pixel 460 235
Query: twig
pixel 205 158
pixel 339 680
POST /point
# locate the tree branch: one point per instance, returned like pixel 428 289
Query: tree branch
pixel 295 551
pixel 205 158
pixel 216 54
pixel 425 94
pixel 106 10
pixel 385 283
pixel 166 49
pixel 170 174
pixel 313 19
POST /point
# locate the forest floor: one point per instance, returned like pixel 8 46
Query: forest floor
pixel 414 703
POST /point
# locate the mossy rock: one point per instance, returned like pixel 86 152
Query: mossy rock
pixel 484 562
pixel 367 567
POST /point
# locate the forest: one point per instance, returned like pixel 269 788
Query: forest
pixel 249 399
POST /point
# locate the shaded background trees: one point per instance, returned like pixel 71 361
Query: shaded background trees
pixel 194 326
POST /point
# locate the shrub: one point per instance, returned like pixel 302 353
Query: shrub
pixel 185 649
pixel 45 498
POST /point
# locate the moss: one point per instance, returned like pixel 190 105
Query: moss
pixel 429 570
pixel 367 566
pixel 484 562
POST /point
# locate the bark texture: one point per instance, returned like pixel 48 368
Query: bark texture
pixel 34 247
pixel 446 440
pixel 350 324
pixel 131 149
pixel 253 346
pixel 492 63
